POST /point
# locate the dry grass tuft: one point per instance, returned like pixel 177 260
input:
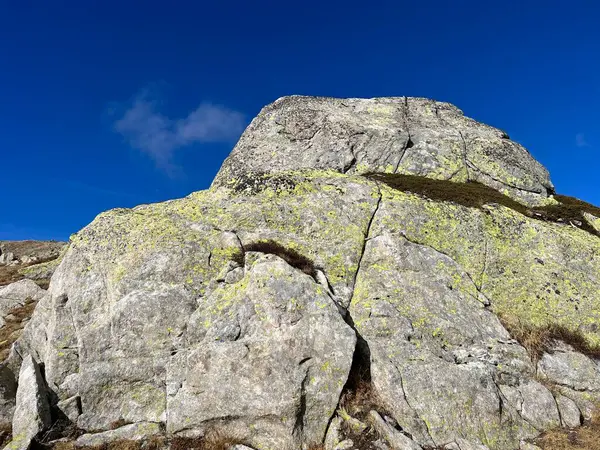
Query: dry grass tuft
pixel 476 195
pixel 539 340
pixel 585 437
pixel 13 328
pixel 291 256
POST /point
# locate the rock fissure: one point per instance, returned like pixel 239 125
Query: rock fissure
pixel 464 155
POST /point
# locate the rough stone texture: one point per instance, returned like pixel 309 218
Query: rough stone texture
pixel 395 135
pixel 32 411
pixel 132 432
pixel 159 314
pixel 279 340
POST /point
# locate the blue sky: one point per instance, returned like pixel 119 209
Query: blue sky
pixel 111 104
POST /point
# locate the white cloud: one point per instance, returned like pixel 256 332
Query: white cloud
pixel 580 140
pixel 148 130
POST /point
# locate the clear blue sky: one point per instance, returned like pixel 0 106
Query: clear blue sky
pixel 111 104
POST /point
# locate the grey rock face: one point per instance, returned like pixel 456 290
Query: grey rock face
pixel 32 412
pixel 395 135
pixel 171 314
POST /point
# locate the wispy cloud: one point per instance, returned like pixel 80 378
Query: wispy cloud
pixel 580 140
pixel 148 130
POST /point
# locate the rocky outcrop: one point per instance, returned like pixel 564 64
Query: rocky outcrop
pixel 29 252
pixel 252 308
pixel 394 135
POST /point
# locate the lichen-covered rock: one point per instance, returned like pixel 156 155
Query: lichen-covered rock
pixel 271 351
pixel 237 309
pixel 394 135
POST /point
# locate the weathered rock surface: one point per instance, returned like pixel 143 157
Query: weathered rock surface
pixel 163 314
pixel 395 135
pixel 32 412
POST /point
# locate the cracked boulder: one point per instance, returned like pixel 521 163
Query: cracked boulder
pixel 395 135
pixel 233 309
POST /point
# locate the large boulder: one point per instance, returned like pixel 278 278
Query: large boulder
pixel 394 135
pixel 246 308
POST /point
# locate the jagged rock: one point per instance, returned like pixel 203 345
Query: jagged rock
pixel 395 135
pixel 395 438
pixel 32 411
pixel 166 313
pixel 131 432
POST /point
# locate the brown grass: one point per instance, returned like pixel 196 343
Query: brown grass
pixel 539 340
pixel 476 195
pixel 10 274
pixel 291 256
pixel 13 328
pixel 585 437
